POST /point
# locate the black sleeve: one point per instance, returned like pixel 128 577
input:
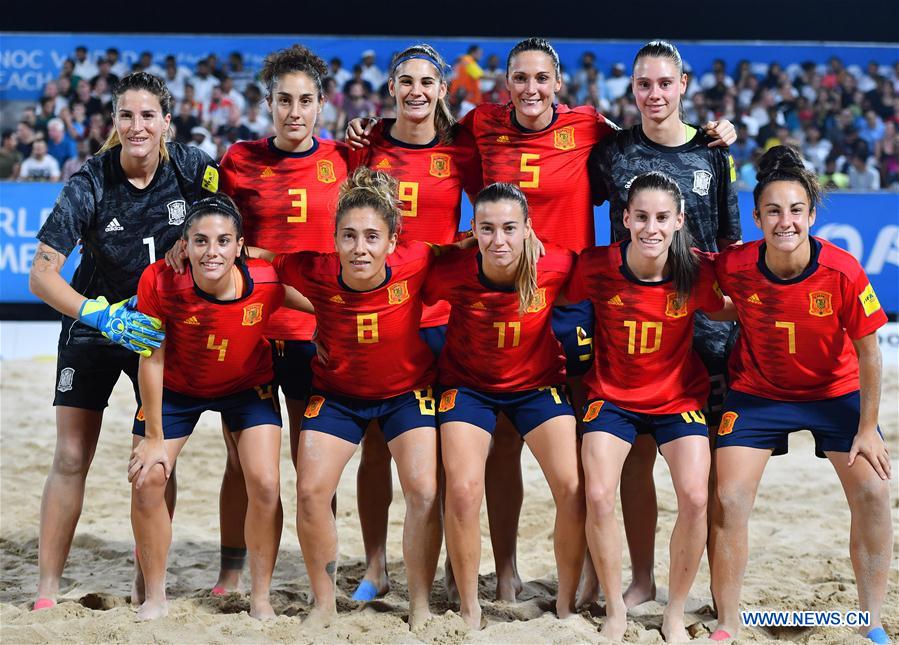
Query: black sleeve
pixel 728 205
pixel 73 212
pixel 197 173
pixel 599 171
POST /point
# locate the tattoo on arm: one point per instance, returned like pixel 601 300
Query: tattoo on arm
pixel 45 258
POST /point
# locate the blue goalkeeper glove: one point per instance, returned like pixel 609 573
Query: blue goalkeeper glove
pixel 123 324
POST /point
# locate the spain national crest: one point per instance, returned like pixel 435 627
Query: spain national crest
pixel 728 419
pixel 252 314
pixel 563 138
pixel 440 165
pixel 177 211
pixel 593 411
pixel 397 293
pixel 820 303
pixel 314 406
pixel 675 307
pixel 325 171
pixel 538 303
pixel 448 400
pixel 702 179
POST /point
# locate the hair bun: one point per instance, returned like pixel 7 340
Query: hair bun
pixel 779 159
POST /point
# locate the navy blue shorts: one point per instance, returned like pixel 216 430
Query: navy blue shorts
pixel 435 337
pixel 292 362
pixel 245 409
pixel 347 417
pixel 757 422
pixel 573 326
pixel 526 410
pixel 605 416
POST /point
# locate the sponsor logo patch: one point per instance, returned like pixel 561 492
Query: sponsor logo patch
pixel 211 179
pixel 113 226
pixel 191 321
pixel 869 300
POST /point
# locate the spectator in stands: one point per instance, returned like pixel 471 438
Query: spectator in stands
pixel 175 76
pixel 116 66
pixel 883 99
pixel 25 136
pixel 84 67
pixel 10 157
pixel 39 166
pixel 60 145
pixel 467 74
pixel 73 165
pixel 741 149
pixel 357 103
pixel 203 82
pixel 330 120
pixel 618 83
pixel 47 107
pixel 201 138
pixel 67 70
pixel 184 121
pixel 494 77
pixel 215 66
pixel 230 92
pixel 870 128
pixel 371 72
pixel 92 104
pixel 196 108
pixel 218 109
pixel 103 92
pixel 886 152
pixel 861 175
pixel 357 78
pixel 104 71
pixel 233 130
pixel 816 149
pixel 51 91
pixel 75 120
pixel 336 71
pixel 746 176
pixel 240 75
pixel 717 75
pixel 145 64
pixel 832 178
pixel 258 123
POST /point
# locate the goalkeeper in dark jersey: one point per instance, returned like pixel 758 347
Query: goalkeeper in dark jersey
pixel 706 177
pixel 125 207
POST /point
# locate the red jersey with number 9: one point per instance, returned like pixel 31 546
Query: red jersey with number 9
pixel 212 347
pixel 288 202
pixel 796 335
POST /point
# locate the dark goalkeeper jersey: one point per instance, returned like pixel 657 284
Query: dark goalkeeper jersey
pixel 123 229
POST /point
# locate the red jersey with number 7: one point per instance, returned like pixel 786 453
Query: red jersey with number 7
pixel 796 335
pixel 369 344
pixel 645 329
pixel 549 165
pixel 288 202
pixel 212 347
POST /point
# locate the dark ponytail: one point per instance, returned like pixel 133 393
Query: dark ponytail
pixel 783 163
pixel 682 263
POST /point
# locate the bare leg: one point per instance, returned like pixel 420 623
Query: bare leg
pixel 641 514
pixel 374 492
pixel 603 455
pixel 505 493
pixel 232 517
pixel 688 459
pixel 138 590
pixel 321 459
pixel 870 533
pixel 415 452
pixel 152 527
pixel 464 447
pixel 554 444
pixel 260 449
pixel 77 431
pixel 738 470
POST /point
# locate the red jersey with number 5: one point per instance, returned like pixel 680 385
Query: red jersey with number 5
pixel 287 201
pixel 796 335
pixel 432 178
pixel 549 165
pixel 647 363
pixel 212 347
pixel 369 345
pixel 490 346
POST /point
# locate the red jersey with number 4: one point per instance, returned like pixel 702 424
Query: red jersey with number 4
pixel 369 339
pixel 549 165
pixel 490 346
pixel 432 178
pixel 647 363
pixel 288 202
pixel 212 347
pixel 796 335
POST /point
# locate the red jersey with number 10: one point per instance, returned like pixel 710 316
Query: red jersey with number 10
pixel 647 363
pixel 432 178
pixel 796 335
pixel 212 347
pixel 490 346
pixel 287 201
pixel 549 165
pixel 369 339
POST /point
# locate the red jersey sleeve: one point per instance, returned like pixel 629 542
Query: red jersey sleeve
pixel 228 175
pixel 291 268
pixel 147 298
pixel 861 313
pixel 707 292
pixel 576 289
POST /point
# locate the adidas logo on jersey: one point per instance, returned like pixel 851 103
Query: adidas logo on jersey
pixel 502 138
pixel 337 299
pixel 114 226
pixel 384 164
pixel 615 300
pixel 754 299
pixel 191 321
pixel 478 305
pixel 267 172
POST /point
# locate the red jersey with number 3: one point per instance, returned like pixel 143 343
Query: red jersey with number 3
pixel 796 335
pixel 647 363
pixel 288 202
pixel 549 165
pixel 490 346
pixel 432 178
pixel 369 345
pixel 212 347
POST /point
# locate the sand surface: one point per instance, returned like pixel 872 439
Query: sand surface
pixel 798 560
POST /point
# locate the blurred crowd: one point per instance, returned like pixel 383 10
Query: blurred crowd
pixel 842 118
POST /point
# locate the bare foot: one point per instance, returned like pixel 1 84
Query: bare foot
pixel 452 592
pixel 229 580
pixel 508 588
pixel 418 617
pixel 615 624
pixel 321 616
pixel 639 592
pixel 673 628
pixel 151 610
pixel 472 617
pixel 261 608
